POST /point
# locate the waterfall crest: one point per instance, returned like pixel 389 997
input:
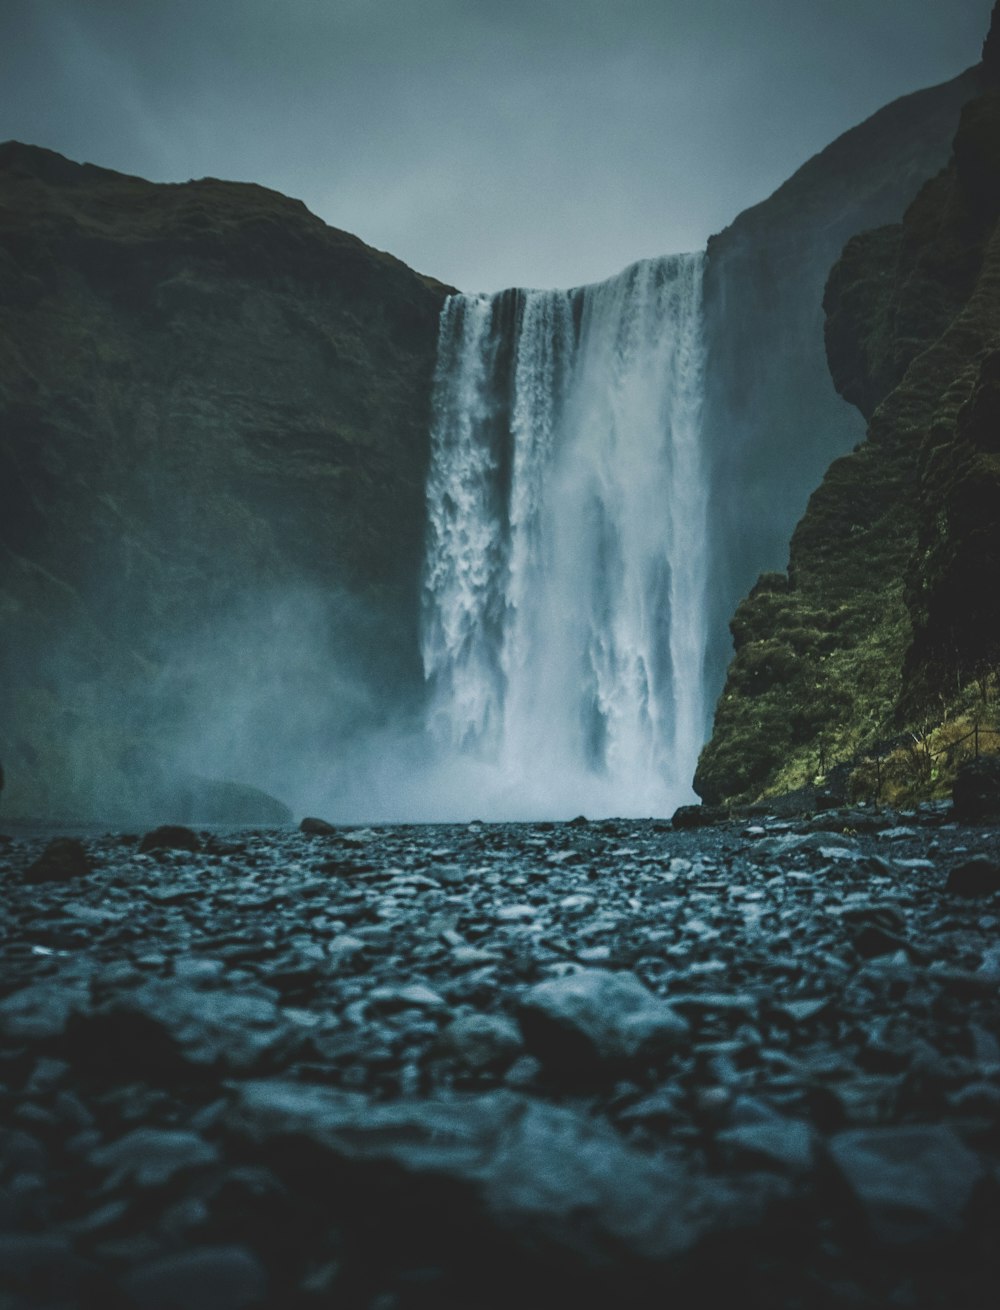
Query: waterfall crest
pixel 563 631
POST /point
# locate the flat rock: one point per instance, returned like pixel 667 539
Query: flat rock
pixel 539 1172
pixel 698 816
pixel 150 1157
pixel 782 1144
pixel 911 1182
pixel 168 1023
pixel 207 1278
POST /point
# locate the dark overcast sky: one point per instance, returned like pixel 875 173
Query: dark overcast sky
pixel 488 142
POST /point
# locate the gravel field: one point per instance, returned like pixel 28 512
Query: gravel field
pixel 595 1063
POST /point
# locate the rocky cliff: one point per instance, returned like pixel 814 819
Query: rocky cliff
pixel 773 421
pixel 877 650
pixel 213 441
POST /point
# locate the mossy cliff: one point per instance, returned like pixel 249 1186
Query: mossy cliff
pixel 883 633
pixel 772 421
pixel 208 400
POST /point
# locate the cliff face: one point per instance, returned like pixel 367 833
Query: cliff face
pixel 208 400
pixel 888 613
pixel 773 421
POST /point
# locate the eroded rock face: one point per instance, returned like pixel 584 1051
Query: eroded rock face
pixel 887 617
pixel 213 442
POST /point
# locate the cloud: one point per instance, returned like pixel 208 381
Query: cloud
pixel 533 142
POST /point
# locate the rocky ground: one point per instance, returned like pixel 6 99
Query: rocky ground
pixel 591 1063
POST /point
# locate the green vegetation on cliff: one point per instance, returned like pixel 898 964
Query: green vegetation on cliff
pixel 885 627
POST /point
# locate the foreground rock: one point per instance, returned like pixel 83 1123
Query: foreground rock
pixel 976 794
pixel 61 861
pixel 470 1067
pixel 170 837
pixel 596 1017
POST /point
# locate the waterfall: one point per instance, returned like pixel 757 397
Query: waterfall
pixel 563 631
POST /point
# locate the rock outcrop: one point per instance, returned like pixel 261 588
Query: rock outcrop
pixel 213 442
pixel 883 631
pixel 773 421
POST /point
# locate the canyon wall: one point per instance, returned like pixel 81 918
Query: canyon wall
pixel 882 632
pixel 213 447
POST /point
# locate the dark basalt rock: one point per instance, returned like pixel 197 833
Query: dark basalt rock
pixel 911 1183
pixel 386 1085
pixel 289 479
pixel 63 860
pixel 317 827
pixel 482 1041
pixel 208 1278
pixel 889 612
pixel 497 1161
pixel 976 794
pixel 170 837
pixel 217 800
pixel 974 878
pixel 43 1269
pixel 698 816
pixel 151 1157
pixel 596 1017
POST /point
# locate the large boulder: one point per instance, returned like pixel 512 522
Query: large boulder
pixel 976 794
pixel 63 859
pixel 596 1017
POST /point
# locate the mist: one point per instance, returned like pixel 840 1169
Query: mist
pixel 277 696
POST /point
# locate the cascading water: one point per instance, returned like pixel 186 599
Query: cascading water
pixel 564 585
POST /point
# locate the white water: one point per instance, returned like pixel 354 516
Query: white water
pixel 564 586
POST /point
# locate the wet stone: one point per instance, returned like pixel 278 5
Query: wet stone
pixel 596 1016
pixel 170 837
pixel 150 1157
pixel 63 860
pixel 419 1070
pixel 314 827
pixel 784 1145
pixel 482 1041
pixel 41 1010
pixel 976 794
pixel 974 878
pixel 698 816
pixel 41 1269
pixel 911 1183
pixel 207 1278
